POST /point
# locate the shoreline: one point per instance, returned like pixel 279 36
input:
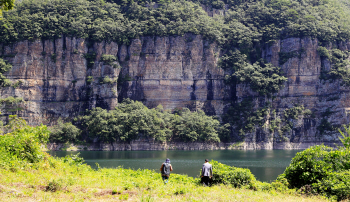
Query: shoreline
pixel 154 146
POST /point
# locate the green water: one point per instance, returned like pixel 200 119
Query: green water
pixel 266 165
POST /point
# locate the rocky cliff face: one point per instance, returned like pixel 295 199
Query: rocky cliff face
pixel 328 101
pixel 64 77
pixel 174 72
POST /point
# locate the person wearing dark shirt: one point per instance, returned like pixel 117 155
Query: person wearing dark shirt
pixel 165 170
pixel 207 172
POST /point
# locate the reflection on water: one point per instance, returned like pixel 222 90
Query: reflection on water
pixel 266 165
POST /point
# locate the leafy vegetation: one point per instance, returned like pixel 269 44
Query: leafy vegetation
pixel 11 104
pixel 4 67
pixel 229 175
pixel 6 5
pixel 323 168
pixel 248 115
pixel 293 114
pixel 108 59
pixel 245 117
pixel 64 132
pixel 323 52
pixel 22 143
pixel 340 65
pixel 245 23
pixel 99 21
pixel 345 139
pixel 132 120
pixel 263 78
pixel 285 56
pixel 325 125
pixel 90 59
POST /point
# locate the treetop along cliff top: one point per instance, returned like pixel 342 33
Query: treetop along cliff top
pixel 243 22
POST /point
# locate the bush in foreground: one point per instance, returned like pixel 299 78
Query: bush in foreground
pixel 23 144
pixel 323 169
pixel 229 175
pixel 335 184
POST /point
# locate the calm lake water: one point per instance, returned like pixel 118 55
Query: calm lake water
pixel 266 165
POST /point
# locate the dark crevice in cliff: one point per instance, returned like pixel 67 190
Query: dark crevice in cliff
pixel 209 109
pixel 210 92
pixel 193 93
pixel 100 102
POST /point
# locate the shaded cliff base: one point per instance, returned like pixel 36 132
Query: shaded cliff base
pixel 144 146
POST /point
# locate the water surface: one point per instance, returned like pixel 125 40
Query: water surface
pixel 266 165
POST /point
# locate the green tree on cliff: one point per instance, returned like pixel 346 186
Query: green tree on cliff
pixel 4 67
pixel 6 5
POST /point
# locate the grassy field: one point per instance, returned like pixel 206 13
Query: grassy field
pixel 55 179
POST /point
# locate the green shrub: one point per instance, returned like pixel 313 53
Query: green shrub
pixel 285 56
pixel 64 132
pixel 263 78
pixel 89 79
pixel 7 160
pixel 90 59
pixel 108 59
pixel 335 184
pixel 24 142
pixel 340 67
pixel 17 83
pixel 12 104
pixel 73 159
pixel 229 175
pixel 323 52
pixel 345 139
pixel 106 80
pixel 316 163
pixel 4 67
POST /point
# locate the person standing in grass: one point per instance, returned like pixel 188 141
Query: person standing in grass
pixel 207 172
pixel 165 170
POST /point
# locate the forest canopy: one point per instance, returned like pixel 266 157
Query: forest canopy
pixel 132 120
pixel 245 22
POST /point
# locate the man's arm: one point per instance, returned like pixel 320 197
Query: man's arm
pixel 161 167
pixel 171 168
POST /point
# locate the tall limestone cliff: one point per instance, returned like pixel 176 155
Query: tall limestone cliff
pixel 64 77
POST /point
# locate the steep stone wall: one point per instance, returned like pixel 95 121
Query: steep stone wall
pixel 327 100
pixel 174 71
pixel 54 74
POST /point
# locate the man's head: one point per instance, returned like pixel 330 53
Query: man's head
pixel 206 160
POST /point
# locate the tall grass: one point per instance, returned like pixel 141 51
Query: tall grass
pixel 54 179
